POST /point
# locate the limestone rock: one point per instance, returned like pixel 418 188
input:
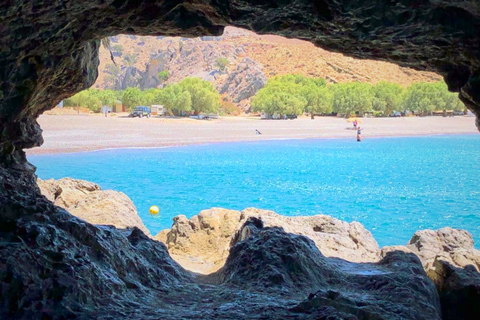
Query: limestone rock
pixel 333 237
pixel 87 201
pixel 202 243
pixel 385 250
pixel 453 264
pixel 452 245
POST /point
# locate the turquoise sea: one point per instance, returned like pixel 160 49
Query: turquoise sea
pixel 394 186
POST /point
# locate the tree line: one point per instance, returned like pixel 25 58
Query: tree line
pixel 297 94
pixel 283 95
pixel 189 96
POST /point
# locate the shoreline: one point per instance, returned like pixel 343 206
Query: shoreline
pixel 35 152
pixel 64 134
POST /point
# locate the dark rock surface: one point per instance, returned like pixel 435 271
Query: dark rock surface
pixel 459 290
pixel 273 262
pixel 55 266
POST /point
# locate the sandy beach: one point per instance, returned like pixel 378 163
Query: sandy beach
pixel 74 133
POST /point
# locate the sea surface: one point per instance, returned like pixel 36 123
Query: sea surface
pixel 393 186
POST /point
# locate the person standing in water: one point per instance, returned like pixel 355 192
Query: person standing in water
pixel 359 134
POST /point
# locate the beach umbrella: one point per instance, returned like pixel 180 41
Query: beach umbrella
pixel 353 119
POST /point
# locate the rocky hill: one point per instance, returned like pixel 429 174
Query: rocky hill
pixel 252 60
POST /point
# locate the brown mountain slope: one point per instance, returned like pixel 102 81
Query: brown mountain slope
pixel 281 56
pixel 253 58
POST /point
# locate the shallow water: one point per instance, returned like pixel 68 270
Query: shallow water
pixel 394 186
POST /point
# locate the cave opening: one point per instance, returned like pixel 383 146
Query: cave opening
pixel 234 175
pixel 57 266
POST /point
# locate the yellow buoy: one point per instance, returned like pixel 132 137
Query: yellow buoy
pixel 154 210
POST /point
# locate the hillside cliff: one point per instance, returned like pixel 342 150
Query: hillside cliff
pixel 252 60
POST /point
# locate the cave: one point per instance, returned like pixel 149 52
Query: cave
pixel 54 266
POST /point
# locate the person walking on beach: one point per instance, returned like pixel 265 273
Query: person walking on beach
pixel 355 123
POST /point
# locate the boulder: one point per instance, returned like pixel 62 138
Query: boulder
pixel 452 263
pixel 270 261
pixel 202 243
pixel 56 266
pixel 452 245
pixel 87 201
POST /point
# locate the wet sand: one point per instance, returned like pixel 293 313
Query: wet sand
pixel 74 133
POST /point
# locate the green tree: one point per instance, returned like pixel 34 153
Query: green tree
pixel 106 97
pixel 350 98
pixel 113 72
pixel 293 94
pixel 319 99
pixel 454 103
pixel 85 98
pixel 175 99
pixel 117 49
pixel 221 63
pixel 130 59
pixel 425 98
pixel 149 96
pixel 388 97
pixel 204 97
pixel 163 75
pixel 132 97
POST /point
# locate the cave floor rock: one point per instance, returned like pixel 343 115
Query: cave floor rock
pixel 56 266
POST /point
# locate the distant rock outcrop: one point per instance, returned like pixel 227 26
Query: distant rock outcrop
pixel 244 81
pixel 202 243
pixel 87 201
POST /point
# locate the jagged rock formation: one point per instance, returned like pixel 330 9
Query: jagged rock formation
pixel 209 240
pixel 87 201
pixel 202 244
pixel 268 260
pixel 55 266
pixel 244 81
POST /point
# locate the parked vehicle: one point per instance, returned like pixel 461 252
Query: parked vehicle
pixel 395 114
pixel 141 111
pixel 291 116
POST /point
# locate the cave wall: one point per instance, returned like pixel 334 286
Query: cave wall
pixel 49 49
